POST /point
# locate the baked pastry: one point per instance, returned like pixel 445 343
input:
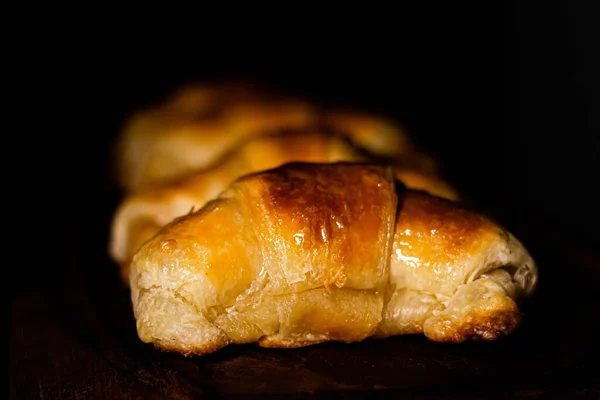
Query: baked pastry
pixel 142 213
pixel 196 126
pixel 379 136
pixel 307 253
pixel 200 123
pixel 428 182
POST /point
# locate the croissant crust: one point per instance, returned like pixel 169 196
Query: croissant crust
pixel 306 253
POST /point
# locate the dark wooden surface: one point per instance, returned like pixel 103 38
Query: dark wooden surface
pixel 74 336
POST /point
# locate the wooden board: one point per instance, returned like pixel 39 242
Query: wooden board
pixel 74 337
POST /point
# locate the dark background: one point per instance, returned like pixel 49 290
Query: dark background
pixel 505 96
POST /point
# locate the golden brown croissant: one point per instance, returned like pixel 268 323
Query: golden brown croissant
pixel 198 124
pixel 141 214
pixel 307 253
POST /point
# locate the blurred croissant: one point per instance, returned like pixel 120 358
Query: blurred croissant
pixel 307 253
pixel 198 124
pixel 142 213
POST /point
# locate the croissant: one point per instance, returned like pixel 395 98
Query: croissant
pixel 198 124
pixel 379 136
pixel 141 214
pixel 306 253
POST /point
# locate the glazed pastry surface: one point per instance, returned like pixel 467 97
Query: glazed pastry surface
pixel 306 253
pixel 142 213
